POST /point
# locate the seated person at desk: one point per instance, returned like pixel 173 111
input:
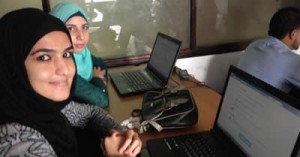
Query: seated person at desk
pixel 271 59
pixel 91 75
pixel 36 110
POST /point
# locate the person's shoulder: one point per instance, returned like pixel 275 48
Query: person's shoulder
pixel 16 128
pixel 98 61
pixel 74 108
pixel 256 42
pixel 22 140
pixel 267 44
pixel 264 40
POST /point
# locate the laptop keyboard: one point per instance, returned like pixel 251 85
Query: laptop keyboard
pixel 136 80
pixel 193 145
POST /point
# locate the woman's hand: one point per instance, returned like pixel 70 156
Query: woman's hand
pixel 119 144
pixel 100 73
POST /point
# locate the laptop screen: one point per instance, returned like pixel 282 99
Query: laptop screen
pixel 257 121
pixel 163 56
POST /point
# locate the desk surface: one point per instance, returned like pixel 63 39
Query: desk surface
pixel 206 99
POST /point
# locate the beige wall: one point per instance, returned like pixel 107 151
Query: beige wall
pixel 221 21
pixel 9 5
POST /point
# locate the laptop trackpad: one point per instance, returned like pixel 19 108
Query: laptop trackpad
pixel 163 148
pixel 122 87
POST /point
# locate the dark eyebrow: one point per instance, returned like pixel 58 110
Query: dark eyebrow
pixel 49 50
pixel 69 48
pixel 70 25
pixel 85 24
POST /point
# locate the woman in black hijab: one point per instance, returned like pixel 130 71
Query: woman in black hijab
pixel 36 112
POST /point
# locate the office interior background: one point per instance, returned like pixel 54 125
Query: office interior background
pixel 214 32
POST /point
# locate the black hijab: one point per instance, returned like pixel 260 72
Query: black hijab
pixel 19 31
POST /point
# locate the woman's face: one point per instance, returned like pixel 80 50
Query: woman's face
pixel 79 30
pixel 50 67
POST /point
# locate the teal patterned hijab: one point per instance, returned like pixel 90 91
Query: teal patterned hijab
pixel 64 11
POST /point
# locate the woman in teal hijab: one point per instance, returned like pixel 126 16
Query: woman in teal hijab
pixel 91 71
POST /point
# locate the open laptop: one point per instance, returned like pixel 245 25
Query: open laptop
pixel 253 119
pixel 157 73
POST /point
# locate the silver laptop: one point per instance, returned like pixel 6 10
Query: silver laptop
pixel 254 119
pixel 157 73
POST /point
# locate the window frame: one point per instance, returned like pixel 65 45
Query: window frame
pixel 192 51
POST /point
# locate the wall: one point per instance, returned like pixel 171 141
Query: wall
pixel 7 6
pixel 223 21
pixel 212 69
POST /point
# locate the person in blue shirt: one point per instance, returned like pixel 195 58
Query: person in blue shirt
pixel 91 71
pixel 271 59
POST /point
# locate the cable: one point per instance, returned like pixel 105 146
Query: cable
pixel 191 78
pixel 194 80
pixel 178 84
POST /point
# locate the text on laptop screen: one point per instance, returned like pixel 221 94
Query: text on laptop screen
pixel 259 123
pixel 163 56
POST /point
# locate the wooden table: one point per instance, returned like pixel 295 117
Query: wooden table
pixel 207 101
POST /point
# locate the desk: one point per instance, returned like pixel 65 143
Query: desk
pixel 206 99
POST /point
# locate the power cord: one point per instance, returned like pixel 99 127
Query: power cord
pixel 194 80
pixel 177 83
pixel 184 75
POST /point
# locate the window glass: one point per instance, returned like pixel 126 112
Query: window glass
pixel 225 21
pixel 127 28
pixel 10 5
pixel 120 28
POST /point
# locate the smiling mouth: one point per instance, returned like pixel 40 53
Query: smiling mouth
pixel 79 45
pixel 60 83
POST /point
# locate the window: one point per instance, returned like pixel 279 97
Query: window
pixel 123 31
pixel 7 6
pixel 127 28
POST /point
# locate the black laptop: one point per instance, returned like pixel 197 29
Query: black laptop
pixel 254 119
pixel 157 73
